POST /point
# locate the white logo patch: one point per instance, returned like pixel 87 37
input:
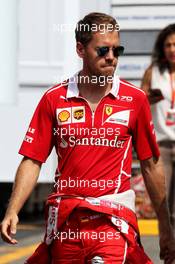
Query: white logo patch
pixel 121 224
pixel 97 260
pixel 121 118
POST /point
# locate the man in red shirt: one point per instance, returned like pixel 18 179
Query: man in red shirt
pixel 93 120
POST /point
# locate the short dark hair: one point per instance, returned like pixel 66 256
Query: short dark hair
pixel 92 23
pixel 158 56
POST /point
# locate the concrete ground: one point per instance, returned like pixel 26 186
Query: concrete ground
pixel 151 246
pixel 30 235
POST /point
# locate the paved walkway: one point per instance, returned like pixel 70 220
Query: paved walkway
pixel 29 236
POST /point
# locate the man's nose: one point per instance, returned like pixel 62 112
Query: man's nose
pixel 172 47
pixel 110 55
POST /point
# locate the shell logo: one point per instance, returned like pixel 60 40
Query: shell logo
pixel 63 116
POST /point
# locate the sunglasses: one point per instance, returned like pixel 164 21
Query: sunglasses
pixel 102 51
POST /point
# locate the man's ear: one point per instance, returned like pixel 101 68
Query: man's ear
pixel 80 49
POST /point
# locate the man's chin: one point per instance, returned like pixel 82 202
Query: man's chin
pixel 108 71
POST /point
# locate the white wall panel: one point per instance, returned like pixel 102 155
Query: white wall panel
pixel 141 2
pixel 46 51
pixel 137 83
pixel 15 120
pixel 41 45
pixel 55 37
pixel 144 17
pixel 39 73
pixel 33 30
pixel 8 51
pixel 87 6
pixel 140 22
pixel 132 67
pixel 71 17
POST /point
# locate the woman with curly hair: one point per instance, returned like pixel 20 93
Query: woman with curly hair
pixel 159 84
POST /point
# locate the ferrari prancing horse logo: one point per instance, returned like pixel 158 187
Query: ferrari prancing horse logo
pixel 108 110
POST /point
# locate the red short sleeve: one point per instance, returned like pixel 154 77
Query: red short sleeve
pixel 38 141
pixel 144 138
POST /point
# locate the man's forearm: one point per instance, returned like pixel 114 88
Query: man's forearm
pixel 155 182
pixel 25 180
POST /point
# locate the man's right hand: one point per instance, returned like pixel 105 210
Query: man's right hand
pixel 8 228
pixel 25 181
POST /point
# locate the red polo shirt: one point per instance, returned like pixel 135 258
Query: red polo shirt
pixel 94 149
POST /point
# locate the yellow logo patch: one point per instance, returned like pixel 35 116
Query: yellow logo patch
pixel 108 110
pixel 63 116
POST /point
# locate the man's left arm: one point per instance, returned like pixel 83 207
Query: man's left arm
pixel 154 178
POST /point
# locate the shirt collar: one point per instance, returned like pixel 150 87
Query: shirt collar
pixel 115 86
pixel 73 91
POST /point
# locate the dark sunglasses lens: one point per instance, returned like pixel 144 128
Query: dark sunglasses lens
pixel 118 51
pixel 102 51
